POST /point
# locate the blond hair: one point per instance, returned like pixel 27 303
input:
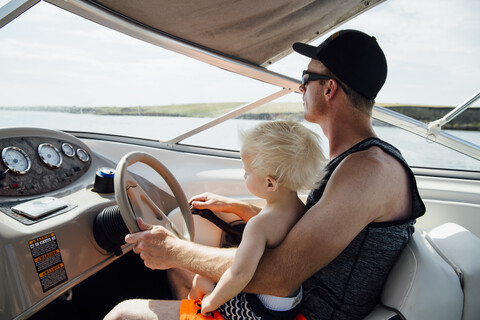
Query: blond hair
pixel 287 151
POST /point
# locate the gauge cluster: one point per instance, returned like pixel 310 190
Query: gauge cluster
pixel 32 165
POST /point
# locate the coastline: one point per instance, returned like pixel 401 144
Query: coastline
pixel 468 120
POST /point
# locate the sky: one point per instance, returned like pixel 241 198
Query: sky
pixel 49 57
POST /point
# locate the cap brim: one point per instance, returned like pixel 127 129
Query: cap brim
pixel 305 49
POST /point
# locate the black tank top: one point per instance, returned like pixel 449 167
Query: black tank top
pixel 349 287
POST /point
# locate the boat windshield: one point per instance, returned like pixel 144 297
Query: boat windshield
pixel 64 72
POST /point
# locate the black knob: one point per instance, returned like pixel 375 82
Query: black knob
pixel 104 180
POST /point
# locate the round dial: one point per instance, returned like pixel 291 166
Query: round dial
pixel 82 154
pixel 50 155
pixel 16 160
pixel 68 150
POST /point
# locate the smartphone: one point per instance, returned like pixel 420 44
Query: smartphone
pixel 39 207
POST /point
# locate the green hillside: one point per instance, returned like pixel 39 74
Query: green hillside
pixel 469 120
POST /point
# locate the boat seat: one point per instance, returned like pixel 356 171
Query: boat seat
pixel 437 276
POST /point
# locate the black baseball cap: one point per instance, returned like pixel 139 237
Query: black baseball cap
pixel 353 57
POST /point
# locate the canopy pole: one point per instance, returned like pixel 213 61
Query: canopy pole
pixel 435 126
pixel 13 8
pixel 232 114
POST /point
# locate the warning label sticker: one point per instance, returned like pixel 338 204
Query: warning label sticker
pixel 48 261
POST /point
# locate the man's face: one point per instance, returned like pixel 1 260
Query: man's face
pixel 313 100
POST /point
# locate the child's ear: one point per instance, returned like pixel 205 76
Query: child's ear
pixel 272 184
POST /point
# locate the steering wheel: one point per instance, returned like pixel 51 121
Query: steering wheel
pixel 134 202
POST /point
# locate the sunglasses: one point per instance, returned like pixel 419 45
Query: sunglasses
pixel 310 76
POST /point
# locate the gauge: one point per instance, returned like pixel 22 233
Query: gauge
pixel 16 160
pixel 82 154
pixel 68 150
pixel 50 155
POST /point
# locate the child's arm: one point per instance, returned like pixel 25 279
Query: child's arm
pixel 248 255
pixel 219 203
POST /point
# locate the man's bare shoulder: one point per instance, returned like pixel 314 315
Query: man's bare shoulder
pixel 377 177
pixel 371 159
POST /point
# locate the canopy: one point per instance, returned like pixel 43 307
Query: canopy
pixel 255 31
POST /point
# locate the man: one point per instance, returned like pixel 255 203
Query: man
pixel 357 222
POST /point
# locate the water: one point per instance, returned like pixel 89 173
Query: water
pixel 418 151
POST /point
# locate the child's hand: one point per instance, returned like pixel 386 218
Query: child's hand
pixel 195 294
pixel 211 201
pixel 200 287
pixel 207 307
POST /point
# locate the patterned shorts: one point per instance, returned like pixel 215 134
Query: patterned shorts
pixel 248 307
pixel 238 308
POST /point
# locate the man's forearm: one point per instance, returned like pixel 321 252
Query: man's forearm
pixel 276 275
pixel 210 262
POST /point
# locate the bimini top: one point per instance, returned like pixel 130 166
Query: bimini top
pixel 252 31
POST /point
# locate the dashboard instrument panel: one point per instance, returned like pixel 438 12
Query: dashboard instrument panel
pixel 33 165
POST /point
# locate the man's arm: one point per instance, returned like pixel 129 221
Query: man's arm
pixel 161 249
pixel 360 190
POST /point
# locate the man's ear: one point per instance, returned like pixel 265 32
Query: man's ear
pixel 272 184
pixel 331 87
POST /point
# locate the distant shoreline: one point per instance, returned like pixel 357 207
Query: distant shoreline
pixel 468 120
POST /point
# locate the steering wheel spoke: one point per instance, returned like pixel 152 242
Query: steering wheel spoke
pixel 133 200
pixel 144 207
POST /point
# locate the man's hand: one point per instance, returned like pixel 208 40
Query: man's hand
pixel 155 244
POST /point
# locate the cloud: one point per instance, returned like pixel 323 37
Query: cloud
pixel 431 46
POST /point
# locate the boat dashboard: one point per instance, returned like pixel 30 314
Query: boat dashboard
pixel 35 165
pixel 52 188
pixel 40 163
